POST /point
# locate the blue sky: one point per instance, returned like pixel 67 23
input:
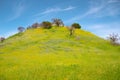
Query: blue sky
pixel 100 17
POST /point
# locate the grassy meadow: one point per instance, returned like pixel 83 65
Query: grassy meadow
pixel 51 54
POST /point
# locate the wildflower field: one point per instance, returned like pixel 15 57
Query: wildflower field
pixel 51 54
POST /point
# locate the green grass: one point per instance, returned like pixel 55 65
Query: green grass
pixel 51 54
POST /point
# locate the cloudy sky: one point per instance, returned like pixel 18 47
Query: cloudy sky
pixel 100 17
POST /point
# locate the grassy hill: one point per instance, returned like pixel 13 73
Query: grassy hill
pixel 51 54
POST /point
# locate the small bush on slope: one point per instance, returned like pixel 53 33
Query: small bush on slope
pixel 46 25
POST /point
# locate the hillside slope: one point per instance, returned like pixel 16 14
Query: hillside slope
pixel 51 54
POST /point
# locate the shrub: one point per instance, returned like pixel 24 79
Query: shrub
pixel 21 29
pixel 2 39
pixel 29 27
pixel 76 26
pixel 35 25
pixel 46 25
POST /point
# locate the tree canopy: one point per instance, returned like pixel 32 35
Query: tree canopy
pixel 76 26
pixel 46 24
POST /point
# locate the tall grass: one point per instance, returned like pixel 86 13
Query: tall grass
pixel 41 54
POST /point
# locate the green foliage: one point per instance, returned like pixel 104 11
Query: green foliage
pixel 76 26
pixel 46 25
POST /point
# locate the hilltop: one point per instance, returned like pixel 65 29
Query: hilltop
pixel 52 54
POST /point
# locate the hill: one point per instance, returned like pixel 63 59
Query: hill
pixel 51 54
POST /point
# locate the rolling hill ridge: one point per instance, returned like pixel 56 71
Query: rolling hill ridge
pixel 52 54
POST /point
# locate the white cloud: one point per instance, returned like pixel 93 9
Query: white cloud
pixel 89 12
pixel 99 8
pixel 52 10
pixel 69 8
pixel 103 30
pixel 18 9
pixel 113 1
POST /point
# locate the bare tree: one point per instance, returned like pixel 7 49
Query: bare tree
pixel 114 38
pixel 58 22
pixel 71 30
